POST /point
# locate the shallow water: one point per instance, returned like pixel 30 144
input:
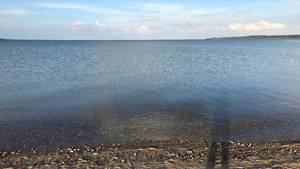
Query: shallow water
pixel 64 93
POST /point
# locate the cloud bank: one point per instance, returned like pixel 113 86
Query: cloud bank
pixel 186 21
pixel 82 25
pixel 143 29
pixel 100 26
pixel 140 20
pixel 78 25
pixel 262 25
pixel 16 11
pixel 124 29
pixel 168 28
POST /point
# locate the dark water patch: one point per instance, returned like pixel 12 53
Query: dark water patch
pixel 45 133
pixel 121 119
pixel 107 122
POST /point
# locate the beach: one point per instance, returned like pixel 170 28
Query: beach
pixel 177 153
pixel 149 84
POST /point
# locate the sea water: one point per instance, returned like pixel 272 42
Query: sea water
pixel 66 93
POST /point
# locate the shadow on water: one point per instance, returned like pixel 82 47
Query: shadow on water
pixel 220 133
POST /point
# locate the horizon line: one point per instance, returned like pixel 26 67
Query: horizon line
pixel 211 38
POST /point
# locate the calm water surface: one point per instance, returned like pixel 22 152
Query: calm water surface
pixel 65 93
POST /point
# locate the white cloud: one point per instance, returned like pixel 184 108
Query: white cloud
pixel 186 21
pixel 262 25
pixel 143 29
pixel 172 10
pixel 78 25
pixel 220 28
pixel 14 12
pixel 168 28
pixel 86 8
pixel 63 5
pixel 99 26
pixel 161 8
pixel 124 29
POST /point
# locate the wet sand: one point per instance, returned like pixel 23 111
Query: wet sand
pixel 176 153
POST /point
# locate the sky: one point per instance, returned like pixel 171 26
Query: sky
pixel 141 19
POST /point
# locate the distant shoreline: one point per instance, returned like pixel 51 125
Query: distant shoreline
pixel 260 37
pixel 214 38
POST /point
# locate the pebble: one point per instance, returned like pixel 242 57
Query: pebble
pixel 189 152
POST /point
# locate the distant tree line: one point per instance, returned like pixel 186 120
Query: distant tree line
pixel 262 37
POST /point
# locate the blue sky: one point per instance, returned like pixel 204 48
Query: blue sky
pixel 163 19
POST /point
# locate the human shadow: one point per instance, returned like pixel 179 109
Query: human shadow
pixel 220 133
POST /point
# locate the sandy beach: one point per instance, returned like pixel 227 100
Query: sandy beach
pixel 161 154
